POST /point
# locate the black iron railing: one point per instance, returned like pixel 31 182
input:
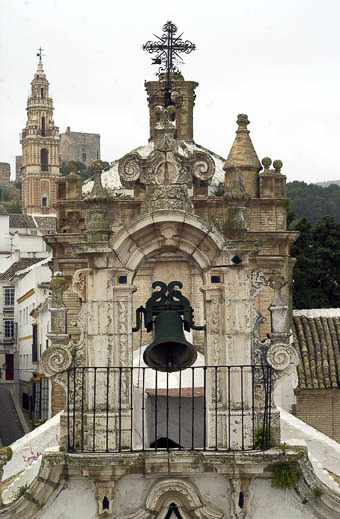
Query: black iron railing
pixel 114 409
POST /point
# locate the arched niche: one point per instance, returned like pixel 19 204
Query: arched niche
pixel 167 230
pixel 180 492
pixel 167 246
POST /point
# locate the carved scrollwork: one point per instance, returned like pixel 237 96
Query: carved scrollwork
pixel 199 164
pixel 79 282
pixel 203 166
pixel 258 281
pixel 129 169
pixel 280 356
pixel 167 197
pixel 56 359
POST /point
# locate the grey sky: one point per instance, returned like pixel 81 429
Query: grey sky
pixel 276 61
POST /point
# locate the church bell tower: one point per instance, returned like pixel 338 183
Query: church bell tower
pixel 40 149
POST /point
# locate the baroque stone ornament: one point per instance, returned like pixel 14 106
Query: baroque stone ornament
pixel 56 359
pixel 58 285
pixel 179 491
pixel 166 173
pixel 79 282
pixel 258 281
pixel 280 356
pixel 235 225
pixel 278 309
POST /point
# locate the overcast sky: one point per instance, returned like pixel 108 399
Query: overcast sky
pixel 277 61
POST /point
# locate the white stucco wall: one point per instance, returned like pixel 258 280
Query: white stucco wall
pixel 5 243
pixel 266 502
pixel 35 275
pixel 76 500
pixel 320 446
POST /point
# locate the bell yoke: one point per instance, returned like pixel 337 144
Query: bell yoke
pixel 169 350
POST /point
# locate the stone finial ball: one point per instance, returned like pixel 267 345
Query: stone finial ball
pixel 266 162
pixel 97 165
pixel 277 165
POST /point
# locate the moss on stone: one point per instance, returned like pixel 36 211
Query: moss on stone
pixel 8 452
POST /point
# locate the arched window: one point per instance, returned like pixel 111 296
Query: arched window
pixel 43 132
pixel 44 159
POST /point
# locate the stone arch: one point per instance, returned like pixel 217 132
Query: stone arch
pixel 167 230
pixel 181 492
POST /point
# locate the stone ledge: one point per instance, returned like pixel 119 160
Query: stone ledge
pixel 57 467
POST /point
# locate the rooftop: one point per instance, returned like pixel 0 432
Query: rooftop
pixel 317 340
pixel 21 221
pixel 22 264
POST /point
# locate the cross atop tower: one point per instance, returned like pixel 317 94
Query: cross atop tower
pixel 167 50
pixel 39 53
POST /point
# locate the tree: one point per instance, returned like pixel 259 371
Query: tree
pixel 312 201
pixel 84 171
pixel 316 275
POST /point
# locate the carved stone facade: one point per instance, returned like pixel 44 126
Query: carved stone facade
pixel 232 255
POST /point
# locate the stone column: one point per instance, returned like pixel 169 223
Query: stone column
pixel 122 356
pixel 241 286
pixel 109 337
pixel 215 377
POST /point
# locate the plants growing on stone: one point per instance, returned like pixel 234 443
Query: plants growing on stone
pixel 284 475
pixel 20 492
pixel 317 492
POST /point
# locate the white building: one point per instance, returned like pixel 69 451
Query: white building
pixel 22 245
pixel 31 287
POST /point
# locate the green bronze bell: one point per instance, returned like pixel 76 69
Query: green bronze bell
pixel 167 312
pixel 169 350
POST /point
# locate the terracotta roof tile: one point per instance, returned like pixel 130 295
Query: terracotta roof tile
pixel 317 340
pixel 46 222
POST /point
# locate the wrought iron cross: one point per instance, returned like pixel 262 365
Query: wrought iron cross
pixel 167 49
pixel 39 53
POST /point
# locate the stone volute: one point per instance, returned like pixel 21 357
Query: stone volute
pixel 166 173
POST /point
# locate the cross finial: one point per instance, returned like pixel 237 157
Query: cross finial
pixel 167 51
pixel 39 53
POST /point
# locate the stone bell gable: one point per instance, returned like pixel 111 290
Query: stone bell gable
pixel 231 254
pixel 164 260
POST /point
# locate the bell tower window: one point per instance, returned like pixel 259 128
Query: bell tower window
pixel 42 92
pixel 44 159
pixel 44 201
pixel 43 131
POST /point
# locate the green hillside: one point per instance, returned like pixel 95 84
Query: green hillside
pixel 312 201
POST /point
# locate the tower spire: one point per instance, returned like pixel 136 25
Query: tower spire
pixel 40 63
pixel 40 148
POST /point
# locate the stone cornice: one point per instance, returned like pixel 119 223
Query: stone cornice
pixel 57 468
